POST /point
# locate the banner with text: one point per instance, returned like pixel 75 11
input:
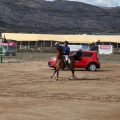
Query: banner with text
pixel 105 49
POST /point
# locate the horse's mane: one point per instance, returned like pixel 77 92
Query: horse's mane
pixel 59 52
pixel 60 48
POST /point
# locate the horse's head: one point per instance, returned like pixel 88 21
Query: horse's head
pixel 58 47
pixel 57 44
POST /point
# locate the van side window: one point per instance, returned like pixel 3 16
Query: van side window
pixel 86 54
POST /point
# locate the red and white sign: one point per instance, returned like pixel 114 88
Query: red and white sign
pixel 8 44
pixel 105 49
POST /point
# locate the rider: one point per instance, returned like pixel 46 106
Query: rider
pixel 66 51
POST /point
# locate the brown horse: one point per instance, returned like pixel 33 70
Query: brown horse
pixel 60 63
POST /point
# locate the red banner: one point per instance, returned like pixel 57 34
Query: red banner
pixel 8 44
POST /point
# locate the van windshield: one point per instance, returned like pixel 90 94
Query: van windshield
pixel 11 48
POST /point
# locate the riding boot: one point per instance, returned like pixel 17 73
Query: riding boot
pixel 66 64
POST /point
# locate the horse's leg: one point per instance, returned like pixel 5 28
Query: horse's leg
pixel 71 67
pixel 53 73
pixel 57 75
pixel 57 70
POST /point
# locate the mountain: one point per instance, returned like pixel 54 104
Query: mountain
pixel 61 17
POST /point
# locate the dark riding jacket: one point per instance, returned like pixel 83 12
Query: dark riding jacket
pixel 66 50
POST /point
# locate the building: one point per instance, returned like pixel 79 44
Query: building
pixel 48 40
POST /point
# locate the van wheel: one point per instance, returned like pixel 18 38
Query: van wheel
pixel 92 67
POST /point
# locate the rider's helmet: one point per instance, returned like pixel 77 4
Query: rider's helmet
pixel 66 42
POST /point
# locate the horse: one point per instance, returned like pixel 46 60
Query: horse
pixel 60 63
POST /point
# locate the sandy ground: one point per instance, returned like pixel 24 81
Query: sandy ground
pixel 27 93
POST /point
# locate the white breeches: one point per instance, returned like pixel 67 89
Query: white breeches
pixel 67 58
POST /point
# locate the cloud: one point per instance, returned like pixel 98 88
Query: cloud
pixel 105 3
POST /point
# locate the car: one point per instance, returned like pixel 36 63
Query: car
pixel 88 60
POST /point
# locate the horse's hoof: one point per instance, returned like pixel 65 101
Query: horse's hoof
pixel 50 77
pixel 56 78
pixel 71 78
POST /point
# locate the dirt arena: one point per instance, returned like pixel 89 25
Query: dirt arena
pixel 27 93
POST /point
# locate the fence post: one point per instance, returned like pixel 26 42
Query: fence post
pixel 1 51
pixel 22 55
pixel 1 58
pixel 41 47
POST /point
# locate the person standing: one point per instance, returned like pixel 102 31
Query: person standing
pixel 98 42
pixel 92 46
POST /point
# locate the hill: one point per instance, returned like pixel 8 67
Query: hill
pixel 39 16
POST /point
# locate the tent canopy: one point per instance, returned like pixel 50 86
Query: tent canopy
pixel 61 38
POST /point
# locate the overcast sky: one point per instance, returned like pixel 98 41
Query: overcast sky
pixel 105 3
